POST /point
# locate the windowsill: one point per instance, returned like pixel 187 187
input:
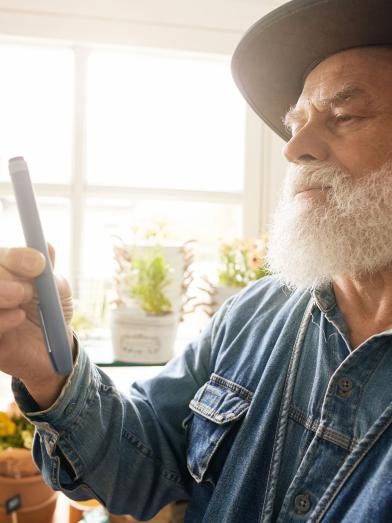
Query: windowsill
pixel 99 349
pixel 98 344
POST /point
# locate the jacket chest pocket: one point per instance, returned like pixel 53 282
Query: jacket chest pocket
pixel 216 408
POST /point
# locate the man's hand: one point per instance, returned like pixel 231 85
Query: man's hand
pixel 22 349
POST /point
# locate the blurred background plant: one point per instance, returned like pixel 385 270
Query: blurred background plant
pixel 93 315
pixel 147 282
pixel 156 230
pixel 15 430
pixel 241 262
pixel 82 321
pixel 152 272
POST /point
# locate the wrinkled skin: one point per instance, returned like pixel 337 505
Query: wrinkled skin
pixel 22 350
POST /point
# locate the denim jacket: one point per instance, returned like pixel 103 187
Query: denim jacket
pixel 267 417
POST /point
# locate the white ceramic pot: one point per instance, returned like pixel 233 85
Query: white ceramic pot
pixel 138 337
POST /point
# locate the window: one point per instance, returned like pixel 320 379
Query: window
pixel 164 120
pixel 54 214
pixel 36 110
pixel 118 139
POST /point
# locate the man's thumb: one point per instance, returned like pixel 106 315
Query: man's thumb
pixel 52 254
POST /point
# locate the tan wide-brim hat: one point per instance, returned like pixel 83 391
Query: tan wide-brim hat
pixel 273 58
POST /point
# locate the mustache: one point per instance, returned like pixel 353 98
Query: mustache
pixel 316 175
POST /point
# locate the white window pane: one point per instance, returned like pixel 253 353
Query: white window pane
pixel 164 120
pixel 54 214
pixel 36 98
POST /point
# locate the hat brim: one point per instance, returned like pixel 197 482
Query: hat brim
pixel 273 58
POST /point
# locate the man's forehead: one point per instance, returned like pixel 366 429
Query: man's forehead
pixel 335 95
pixel 343 70
pixel 341 79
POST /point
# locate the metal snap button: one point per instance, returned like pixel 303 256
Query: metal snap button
pixel 302 504
pixel 345 386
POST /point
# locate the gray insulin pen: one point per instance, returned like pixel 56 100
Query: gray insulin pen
pixel 50 313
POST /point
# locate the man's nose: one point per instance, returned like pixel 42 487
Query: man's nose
pixel 307 145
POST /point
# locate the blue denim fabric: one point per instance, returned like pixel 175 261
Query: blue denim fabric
pixel 267 417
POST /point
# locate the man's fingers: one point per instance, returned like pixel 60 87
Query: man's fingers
pixel 22 261
pixel 14 293
pixel 9 319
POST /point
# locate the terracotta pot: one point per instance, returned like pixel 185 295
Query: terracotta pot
pixel 38 500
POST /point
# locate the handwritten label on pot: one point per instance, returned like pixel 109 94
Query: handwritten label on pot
pixel 13 504
pixel 140 345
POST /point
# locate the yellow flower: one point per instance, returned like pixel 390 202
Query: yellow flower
pixel 7 426
pixel 27 439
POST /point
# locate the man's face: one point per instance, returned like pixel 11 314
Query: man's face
pixel 335 216
pixel 344 114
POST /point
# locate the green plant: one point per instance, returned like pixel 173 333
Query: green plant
pixel 82 321
pixel 149 277
pixel 241 262
pixel 15 431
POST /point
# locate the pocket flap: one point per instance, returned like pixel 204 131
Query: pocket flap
pixel 216 405
pixel 221 401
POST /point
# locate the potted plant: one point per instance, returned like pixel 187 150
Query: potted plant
pixel 82 323
pixel 148 304
pixel 18 474
pixel 240 262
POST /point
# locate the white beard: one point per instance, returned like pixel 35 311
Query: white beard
pixel 347 231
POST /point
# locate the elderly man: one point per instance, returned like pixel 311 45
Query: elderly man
pixel 281 410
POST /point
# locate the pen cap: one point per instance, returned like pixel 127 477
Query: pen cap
pixel 27 206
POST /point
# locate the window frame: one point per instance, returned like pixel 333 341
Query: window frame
pixel 78 191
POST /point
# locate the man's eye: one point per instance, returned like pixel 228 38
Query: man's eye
pixel 343 118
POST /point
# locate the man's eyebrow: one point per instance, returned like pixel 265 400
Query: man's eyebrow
pixel 344 96
pixel 339 99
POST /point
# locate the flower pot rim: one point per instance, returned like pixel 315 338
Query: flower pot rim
pixel 35 478
pixel 51 500
pixel 137 315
